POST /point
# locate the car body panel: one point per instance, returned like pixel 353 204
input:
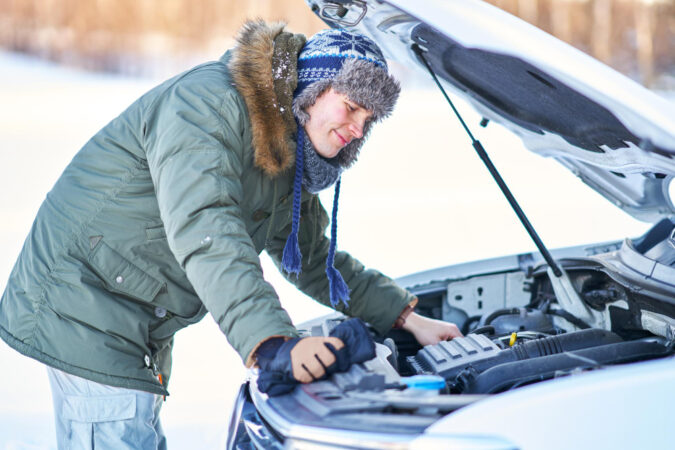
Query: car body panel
pixel 594 410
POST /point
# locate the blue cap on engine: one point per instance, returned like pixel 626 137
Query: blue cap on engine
pixel 425 382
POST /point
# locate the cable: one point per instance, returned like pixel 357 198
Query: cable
pixel 570 318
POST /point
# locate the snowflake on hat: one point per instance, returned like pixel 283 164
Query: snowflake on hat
pixel 343 44
pixel 357 43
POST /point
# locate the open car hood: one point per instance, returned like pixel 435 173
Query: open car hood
pixel 615 135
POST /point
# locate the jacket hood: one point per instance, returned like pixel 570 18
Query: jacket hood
pixel 264 70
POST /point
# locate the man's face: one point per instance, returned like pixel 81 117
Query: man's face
pixel 334 120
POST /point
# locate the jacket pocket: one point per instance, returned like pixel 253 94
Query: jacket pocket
pixel 169 327
pixel 104 408
pixel 121 275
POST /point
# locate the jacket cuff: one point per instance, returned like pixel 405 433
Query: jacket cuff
pixel 253 357
pixel 405 313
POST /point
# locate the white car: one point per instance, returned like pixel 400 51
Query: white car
pixel 571 348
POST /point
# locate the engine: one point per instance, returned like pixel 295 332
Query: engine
pixel 476 364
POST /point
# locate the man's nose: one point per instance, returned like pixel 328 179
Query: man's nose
pixel 356 128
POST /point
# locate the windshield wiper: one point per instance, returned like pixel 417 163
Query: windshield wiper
pixel 495 174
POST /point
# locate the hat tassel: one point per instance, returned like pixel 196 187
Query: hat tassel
pixel 339 291
pixel 291 260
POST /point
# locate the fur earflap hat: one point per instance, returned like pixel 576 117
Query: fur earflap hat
pixel 353 65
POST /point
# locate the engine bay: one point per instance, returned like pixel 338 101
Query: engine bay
pixel 517 332
pixel 505 347
pixel 618 313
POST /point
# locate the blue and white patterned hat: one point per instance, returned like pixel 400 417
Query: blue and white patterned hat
pixel 323 55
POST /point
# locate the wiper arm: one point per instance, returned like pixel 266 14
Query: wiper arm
pixel 495 174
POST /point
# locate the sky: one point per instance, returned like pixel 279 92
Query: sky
pixel 418 198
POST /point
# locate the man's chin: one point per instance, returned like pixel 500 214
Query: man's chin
pixel 329 153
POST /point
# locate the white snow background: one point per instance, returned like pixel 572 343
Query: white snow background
pixel 418 198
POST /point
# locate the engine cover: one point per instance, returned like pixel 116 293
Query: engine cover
pixel 452 356
pixel 478 352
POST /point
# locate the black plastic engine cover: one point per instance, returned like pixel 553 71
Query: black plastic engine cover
pixel 450 356
pixel 448 359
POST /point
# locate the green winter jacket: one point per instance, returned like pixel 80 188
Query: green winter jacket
pixel 160 218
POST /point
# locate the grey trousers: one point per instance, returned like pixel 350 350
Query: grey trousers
pixel 91 415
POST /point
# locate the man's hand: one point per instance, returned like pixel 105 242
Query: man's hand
pixel 430 331
pixel 285 363
pixel 310 357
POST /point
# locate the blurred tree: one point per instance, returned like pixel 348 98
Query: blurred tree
pixel 528 10
pixel 644 34
pixel 601 32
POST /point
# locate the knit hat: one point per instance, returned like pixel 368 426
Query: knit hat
pixel 352 65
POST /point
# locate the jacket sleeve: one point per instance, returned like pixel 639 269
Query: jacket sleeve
pixel 375 298
pixel 194 142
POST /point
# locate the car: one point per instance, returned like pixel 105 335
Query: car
pixel 564 348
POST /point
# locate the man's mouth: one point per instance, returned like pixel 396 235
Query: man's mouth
pixel 342 140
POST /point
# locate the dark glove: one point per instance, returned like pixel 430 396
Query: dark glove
pixel 279 381
pixel 284 364
pixel 359 345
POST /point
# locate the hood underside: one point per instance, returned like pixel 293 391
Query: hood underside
pixel 615 135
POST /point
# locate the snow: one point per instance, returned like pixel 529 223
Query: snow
pixel 418 198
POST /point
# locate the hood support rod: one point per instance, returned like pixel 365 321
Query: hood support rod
pixel 495 174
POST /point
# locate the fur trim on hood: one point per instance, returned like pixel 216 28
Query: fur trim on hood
pixel 264 70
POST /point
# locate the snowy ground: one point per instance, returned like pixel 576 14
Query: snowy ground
pixel 418 198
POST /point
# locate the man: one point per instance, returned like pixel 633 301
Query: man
pixel 161 216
